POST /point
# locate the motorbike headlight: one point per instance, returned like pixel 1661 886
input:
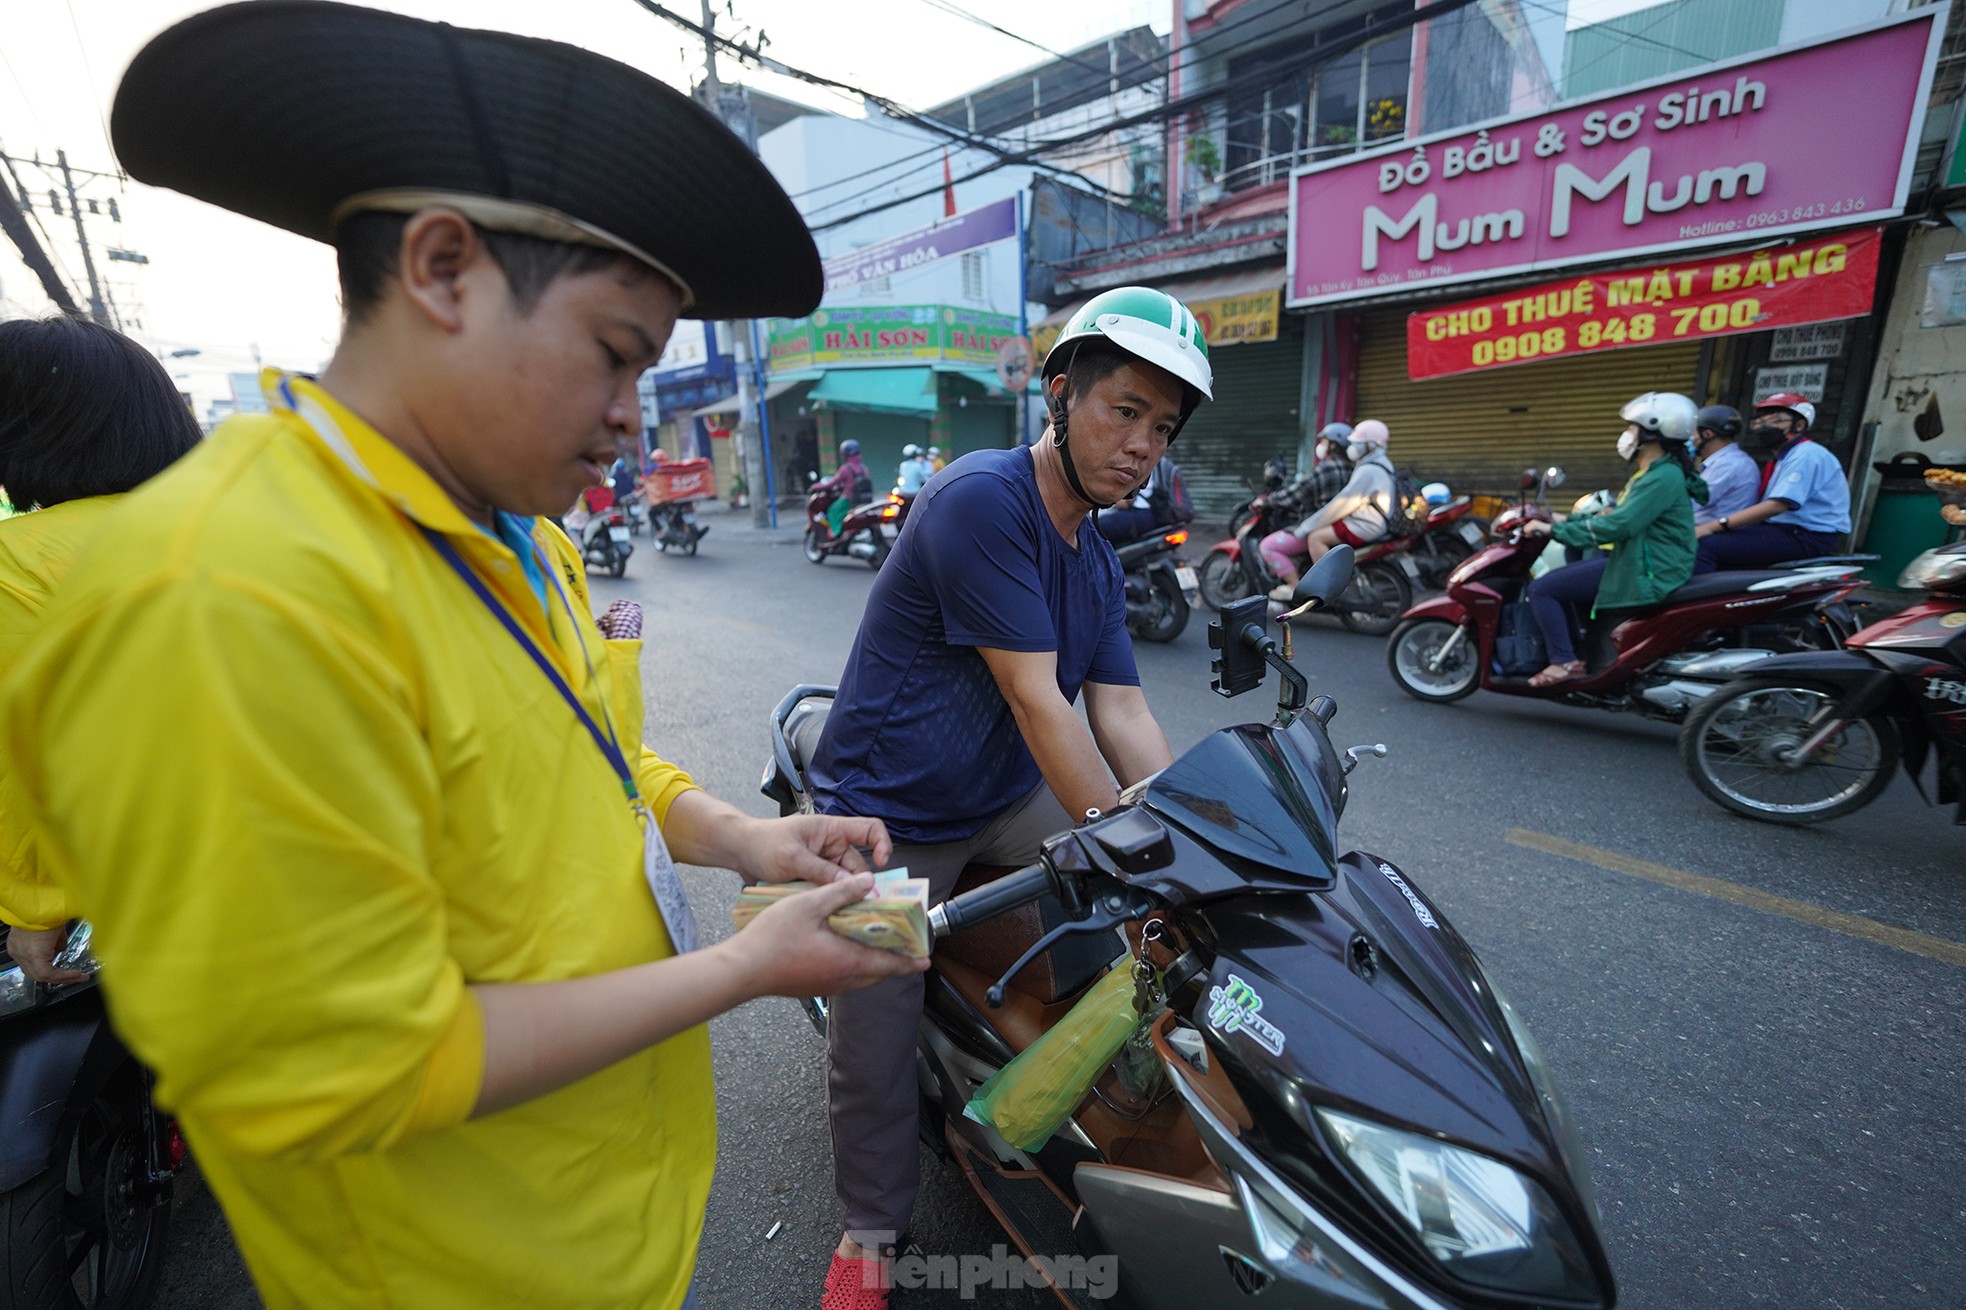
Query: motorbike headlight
pixel 1935 568
pixel 18 992
pixel 1484 1222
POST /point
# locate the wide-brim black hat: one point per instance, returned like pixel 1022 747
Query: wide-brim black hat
pixel 300 112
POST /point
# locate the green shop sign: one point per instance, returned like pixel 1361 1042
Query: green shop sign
pixel 888 334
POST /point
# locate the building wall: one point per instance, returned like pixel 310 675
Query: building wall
pixel 1918 388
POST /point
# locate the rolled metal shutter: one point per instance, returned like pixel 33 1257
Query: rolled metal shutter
pixel 1255 415
pixel 1479 431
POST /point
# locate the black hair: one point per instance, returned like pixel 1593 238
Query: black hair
pixel 368 248
pixel 84 411
pixel 1677 452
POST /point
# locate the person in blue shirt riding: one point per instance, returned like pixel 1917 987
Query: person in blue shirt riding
pixel 1803 510
pixel 954 722
pixel 1732 477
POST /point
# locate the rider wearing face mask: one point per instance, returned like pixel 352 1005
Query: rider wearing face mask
pixel 1804 506
pixel 1357 515
pixel 1284 548
pixel 1732 477
pixel 1651 525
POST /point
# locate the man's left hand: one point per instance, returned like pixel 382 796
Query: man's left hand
pixel 812 847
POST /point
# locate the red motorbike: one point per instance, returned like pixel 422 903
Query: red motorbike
pixel 864 534
pixel 1389 570
pixel 1659 661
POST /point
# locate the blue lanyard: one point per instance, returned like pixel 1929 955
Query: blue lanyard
pixel 609 747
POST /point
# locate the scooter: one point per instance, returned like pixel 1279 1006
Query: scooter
pixel 603 540
pixel 1811 736
pixel 1329 1103
pixel 1659 661
pixel 86 1161
pixel 1381 588
pixel 1452 532
pixel 862 535
pixel 1161 588
pixel 673 525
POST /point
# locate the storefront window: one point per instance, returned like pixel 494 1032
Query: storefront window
pixel 1361 98
pixel 1336 97
pixel 1387 65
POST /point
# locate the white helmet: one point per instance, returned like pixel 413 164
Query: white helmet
pixel 1595 503
pixel 1370 432
pixel 1436 493
pixel 911 451
pixel 1662 416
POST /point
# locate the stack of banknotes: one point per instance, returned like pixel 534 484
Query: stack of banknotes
pixel 894 918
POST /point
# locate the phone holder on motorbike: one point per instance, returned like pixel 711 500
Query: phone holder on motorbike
pixel 1242 635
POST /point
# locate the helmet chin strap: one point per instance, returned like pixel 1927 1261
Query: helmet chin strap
pixel 1058 440
pixel 1055 404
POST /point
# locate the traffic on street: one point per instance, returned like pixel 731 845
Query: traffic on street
pixel 1761 1031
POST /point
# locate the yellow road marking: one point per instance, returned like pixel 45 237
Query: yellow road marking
pixel 1852 925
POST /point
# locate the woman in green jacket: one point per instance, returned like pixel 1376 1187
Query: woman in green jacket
pixel 1650 529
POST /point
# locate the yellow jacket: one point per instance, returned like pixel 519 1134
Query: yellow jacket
pixel 308 789
pixel 36 550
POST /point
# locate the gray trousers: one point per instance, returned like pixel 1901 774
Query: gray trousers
pixel 871 1092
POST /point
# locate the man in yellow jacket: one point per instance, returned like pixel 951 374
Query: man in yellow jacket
pixel 321 732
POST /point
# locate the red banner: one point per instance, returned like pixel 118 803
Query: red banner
pixel 1753 291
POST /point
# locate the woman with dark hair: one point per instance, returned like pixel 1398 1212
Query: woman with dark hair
pixel 85 415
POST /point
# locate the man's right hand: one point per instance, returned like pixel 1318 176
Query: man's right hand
pixel 790 951
pixel 35 950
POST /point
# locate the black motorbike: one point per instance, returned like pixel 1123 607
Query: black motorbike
pixel 1815 735
pixel 1161 588
pixel 673 525
pixel 86 1162
pixel 1331 1104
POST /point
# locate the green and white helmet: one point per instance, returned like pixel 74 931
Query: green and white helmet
pixel 1146 323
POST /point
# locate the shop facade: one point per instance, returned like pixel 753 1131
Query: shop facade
pixel 889 376
pixel 680 396
pixel 1496 295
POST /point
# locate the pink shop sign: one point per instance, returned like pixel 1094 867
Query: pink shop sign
pixel 1818 136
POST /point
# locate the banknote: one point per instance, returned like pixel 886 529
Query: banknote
pixel 894 918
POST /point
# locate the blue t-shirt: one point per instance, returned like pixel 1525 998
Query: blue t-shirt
pixel 1733 483
pixel 920 737
pixel 1809 478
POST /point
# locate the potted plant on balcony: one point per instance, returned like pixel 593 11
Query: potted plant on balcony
pixel 1207 161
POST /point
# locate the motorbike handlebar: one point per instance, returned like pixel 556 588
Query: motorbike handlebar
pixel 990 900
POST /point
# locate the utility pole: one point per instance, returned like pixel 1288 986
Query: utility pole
pixel 97 309
pixel 753 435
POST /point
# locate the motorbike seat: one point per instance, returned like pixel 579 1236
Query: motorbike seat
pixel 1709 585
pixel 990 947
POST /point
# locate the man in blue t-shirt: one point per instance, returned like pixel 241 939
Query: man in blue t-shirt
pixel 954 724
pixel 1804 510
pixel 1733 478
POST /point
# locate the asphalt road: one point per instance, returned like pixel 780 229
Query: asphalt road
pixel 1771 1102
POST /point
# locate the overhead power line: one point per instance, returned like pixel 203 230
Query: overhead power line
pixel 1187 103
pixel 893 108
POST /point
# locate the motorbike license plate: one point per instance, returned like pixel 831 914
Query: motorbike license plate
pixel 1186 577
pixel 618 535
pixel 1470 532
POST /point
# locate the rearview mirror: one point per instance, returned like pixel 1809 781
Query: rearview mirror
pixel 1553 476
pixel 1528 482
pixel 1325 580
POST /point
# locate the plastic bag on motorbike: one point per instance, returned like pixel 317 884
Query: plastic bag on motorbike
pixel 1031 1096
